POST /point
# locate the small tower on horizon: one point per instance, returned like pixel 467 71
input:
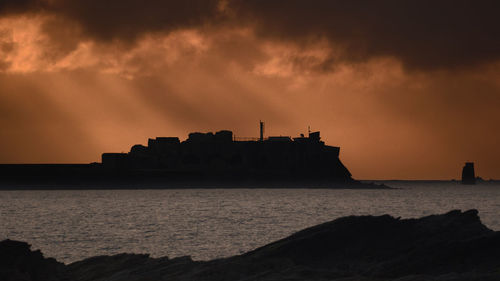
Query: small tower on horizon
pixel 468 175
pixel 261 130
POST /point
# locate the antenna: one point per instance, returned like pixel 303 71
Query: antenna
pixel 309 130
pixel 261 130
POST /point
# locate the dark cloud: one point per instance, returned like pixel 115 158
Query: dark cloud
pixel 422 34
pixel 120 19
pixel 20 6
pixel 128 19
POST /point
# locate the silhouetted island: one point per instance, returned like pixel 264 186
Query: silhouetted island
pixel 453 246
pixel 203 159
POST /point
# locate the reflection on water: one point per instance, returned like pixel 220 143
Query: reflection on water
pixel 75 224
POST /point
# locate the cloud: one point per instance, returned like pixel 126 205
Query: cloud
pixel 129 19
pixel 7 46
pixel 423 35
pixel 8 7
pixel 124 20
pixel 59 27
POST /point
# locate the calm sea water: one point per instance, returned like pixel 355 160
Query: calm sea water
pixel 206 224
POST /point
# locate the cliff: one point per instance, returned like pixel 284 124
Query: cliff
pixel 452 246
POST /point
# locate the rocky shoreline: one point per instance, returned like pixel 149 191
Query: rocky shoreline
pixel 452 246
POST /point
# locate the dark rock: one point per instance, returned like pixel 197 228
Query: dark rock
pixel 18 262
pixel 468 175
pixel 453 246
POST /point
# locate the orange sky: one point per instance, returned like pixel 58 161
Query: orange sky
pixel 406 92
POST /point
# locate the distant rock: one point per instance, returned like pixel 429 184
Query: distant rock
pixel 468 174
pixel 452 246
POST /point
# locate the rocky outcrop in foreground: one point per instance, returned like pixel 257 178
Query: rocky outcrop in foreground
pixel 452 246
pixel 19 263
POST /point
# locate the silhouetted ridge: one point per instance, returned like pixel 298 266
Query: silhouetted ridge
pixel 453 246
pixel 203 159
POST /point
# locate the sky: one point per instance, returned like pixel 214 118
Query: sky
pixel 407 89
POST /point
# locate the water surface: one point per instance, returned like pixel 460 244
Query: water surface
pixel 209 223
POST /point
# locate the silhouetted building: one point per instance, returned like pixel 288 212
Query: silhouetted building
pixel 115 160
pixel 468 175
pixel 220 155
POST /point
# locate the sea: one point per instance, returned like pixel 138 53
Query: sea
pixel 72 225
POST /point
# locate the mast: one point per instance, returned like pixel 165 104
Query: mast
pixel 261 130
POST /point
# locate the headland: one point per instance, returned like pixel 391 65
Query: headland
pixel 202 160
